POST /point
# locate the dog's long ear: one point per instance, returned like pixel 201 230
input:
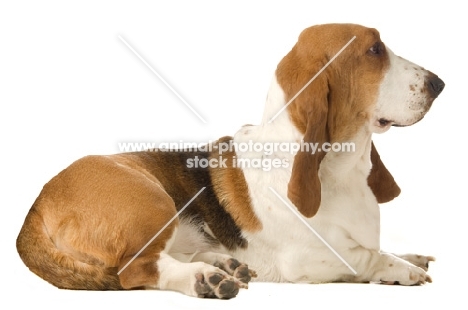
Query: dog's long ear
pixel 380 180
pixel 309 113
pixel 304 188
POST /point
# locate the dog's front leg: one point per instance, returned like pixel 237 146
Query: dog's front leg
pixel 418 260
pixel 376 266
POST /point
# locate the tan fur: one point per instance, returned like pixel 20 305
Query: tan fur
pixel 95 215
pixel 228 183
pixel 320 114
pixel 91 219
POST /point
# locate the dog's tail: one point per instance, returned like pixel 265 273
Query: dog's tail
pixel 63 270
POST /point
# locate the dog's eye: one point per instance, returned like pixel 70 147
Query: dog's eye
pixel 377 49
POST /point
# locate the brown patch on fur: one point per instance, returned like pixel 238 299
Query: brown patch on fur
pixel 412 88
pixel 63 270
pixel 380 180
pixel 95 215
pixel 182 183
pixel 141 272
pixel 90 218
pixel 336 104
pixel 232 191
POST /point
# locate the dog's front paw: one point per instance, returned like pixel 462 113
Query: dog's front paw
pixel 404 273
pixel 418 260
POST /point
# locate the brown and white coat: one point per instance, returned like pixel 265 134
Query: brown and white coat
pixel 93 217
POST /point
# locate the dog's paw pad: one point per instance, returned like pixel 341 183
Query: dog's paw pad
pixel 244 274
pixel 202 288
pixel 237 269
pixel 227 289
pixel 217 285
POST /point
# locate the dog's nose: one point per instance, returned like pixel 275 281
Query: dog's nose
pixel 434 85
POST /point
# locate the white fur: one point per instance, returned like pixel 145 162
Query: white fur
pixel 402 99
pixel 348 219
pixel 285 250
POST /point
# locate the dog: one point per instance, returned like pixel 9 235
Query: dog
pixel 153 219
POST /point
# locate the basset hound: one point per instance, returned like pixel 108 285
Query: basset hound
pixel 149 220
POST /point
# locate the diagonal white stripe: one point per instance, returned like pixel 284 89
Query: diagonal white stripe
pixel 311 80
pixel 162 79
pixel 300 217
pixel 160 231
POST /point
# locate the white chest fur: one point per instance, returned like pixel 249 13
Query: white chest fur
pixel 285 249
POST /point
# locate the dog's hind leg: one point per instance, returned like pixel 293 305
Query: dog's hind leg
pixel 227 263
pixel 196 279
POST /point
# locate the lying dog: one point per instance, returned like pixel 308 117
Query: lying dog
pixel 91 225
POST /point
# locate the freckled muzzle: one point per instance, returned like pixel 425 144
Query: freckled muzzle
pixel 433 86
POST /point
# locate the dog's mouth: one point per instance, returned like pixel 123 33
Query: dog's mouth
pixel 383 123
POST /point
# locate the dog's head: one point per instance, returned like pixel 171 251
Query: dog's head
pixel 366 87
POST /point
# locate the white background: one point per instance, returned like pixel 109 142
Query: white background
pixel 69 87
